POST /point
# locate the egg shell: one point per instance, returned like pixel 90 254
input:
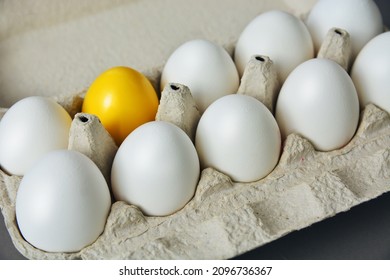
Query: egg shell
pixel 280 36
pixel 62 202
pixel 156 168
pixel 206 68
pixel 31 128
pixel 371 72
pixel 238 136
pixel 319 101
pixel 360 18
pixel 123 99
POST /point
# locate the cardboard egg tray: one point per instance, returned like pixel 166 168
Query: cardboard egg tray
pixel 224 218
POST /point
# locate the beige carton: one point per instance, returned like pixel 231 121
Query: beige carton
pixel 225 218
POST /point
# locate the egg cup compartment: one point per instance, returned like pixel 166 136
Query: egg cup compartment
pixel 226 218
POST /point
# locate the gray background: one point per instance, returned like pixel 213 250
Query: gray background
pixel 361 233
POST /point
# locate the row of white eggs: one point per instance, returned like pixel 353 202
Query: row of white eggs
pixel 63 200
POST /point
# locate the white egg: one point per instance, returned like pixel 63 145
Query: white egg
pixel 319 101
pixel 62 202
pixel 238 136
pixel 371 72
pixel 360 18
pixel 29 129
pixel 156 168
pixel 204 67
pixel 278 35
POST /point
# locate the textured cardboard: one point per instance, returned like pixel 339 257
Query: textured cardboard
pixel 224 218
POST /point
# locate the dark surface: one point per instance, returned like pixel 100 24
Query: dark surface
pixel 361 233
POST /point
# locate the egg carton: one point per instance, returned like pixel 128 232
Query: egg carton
pixel 227 218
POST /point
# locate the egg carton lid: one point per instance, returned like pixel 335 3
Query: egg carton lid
pixel 59 47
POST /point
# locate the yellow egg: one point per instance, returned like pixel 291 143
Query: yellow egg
pixel 123 99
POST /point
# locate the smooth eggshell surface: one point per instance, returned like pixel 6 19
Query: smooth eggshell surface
pixel 319 101
pixel 123 99
pixel 63 202
pixel 205 68
pixel 156 168
pixel 239 136
pixel 360 18
pixel 31 128
pixel 280 36
pixel 371 72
